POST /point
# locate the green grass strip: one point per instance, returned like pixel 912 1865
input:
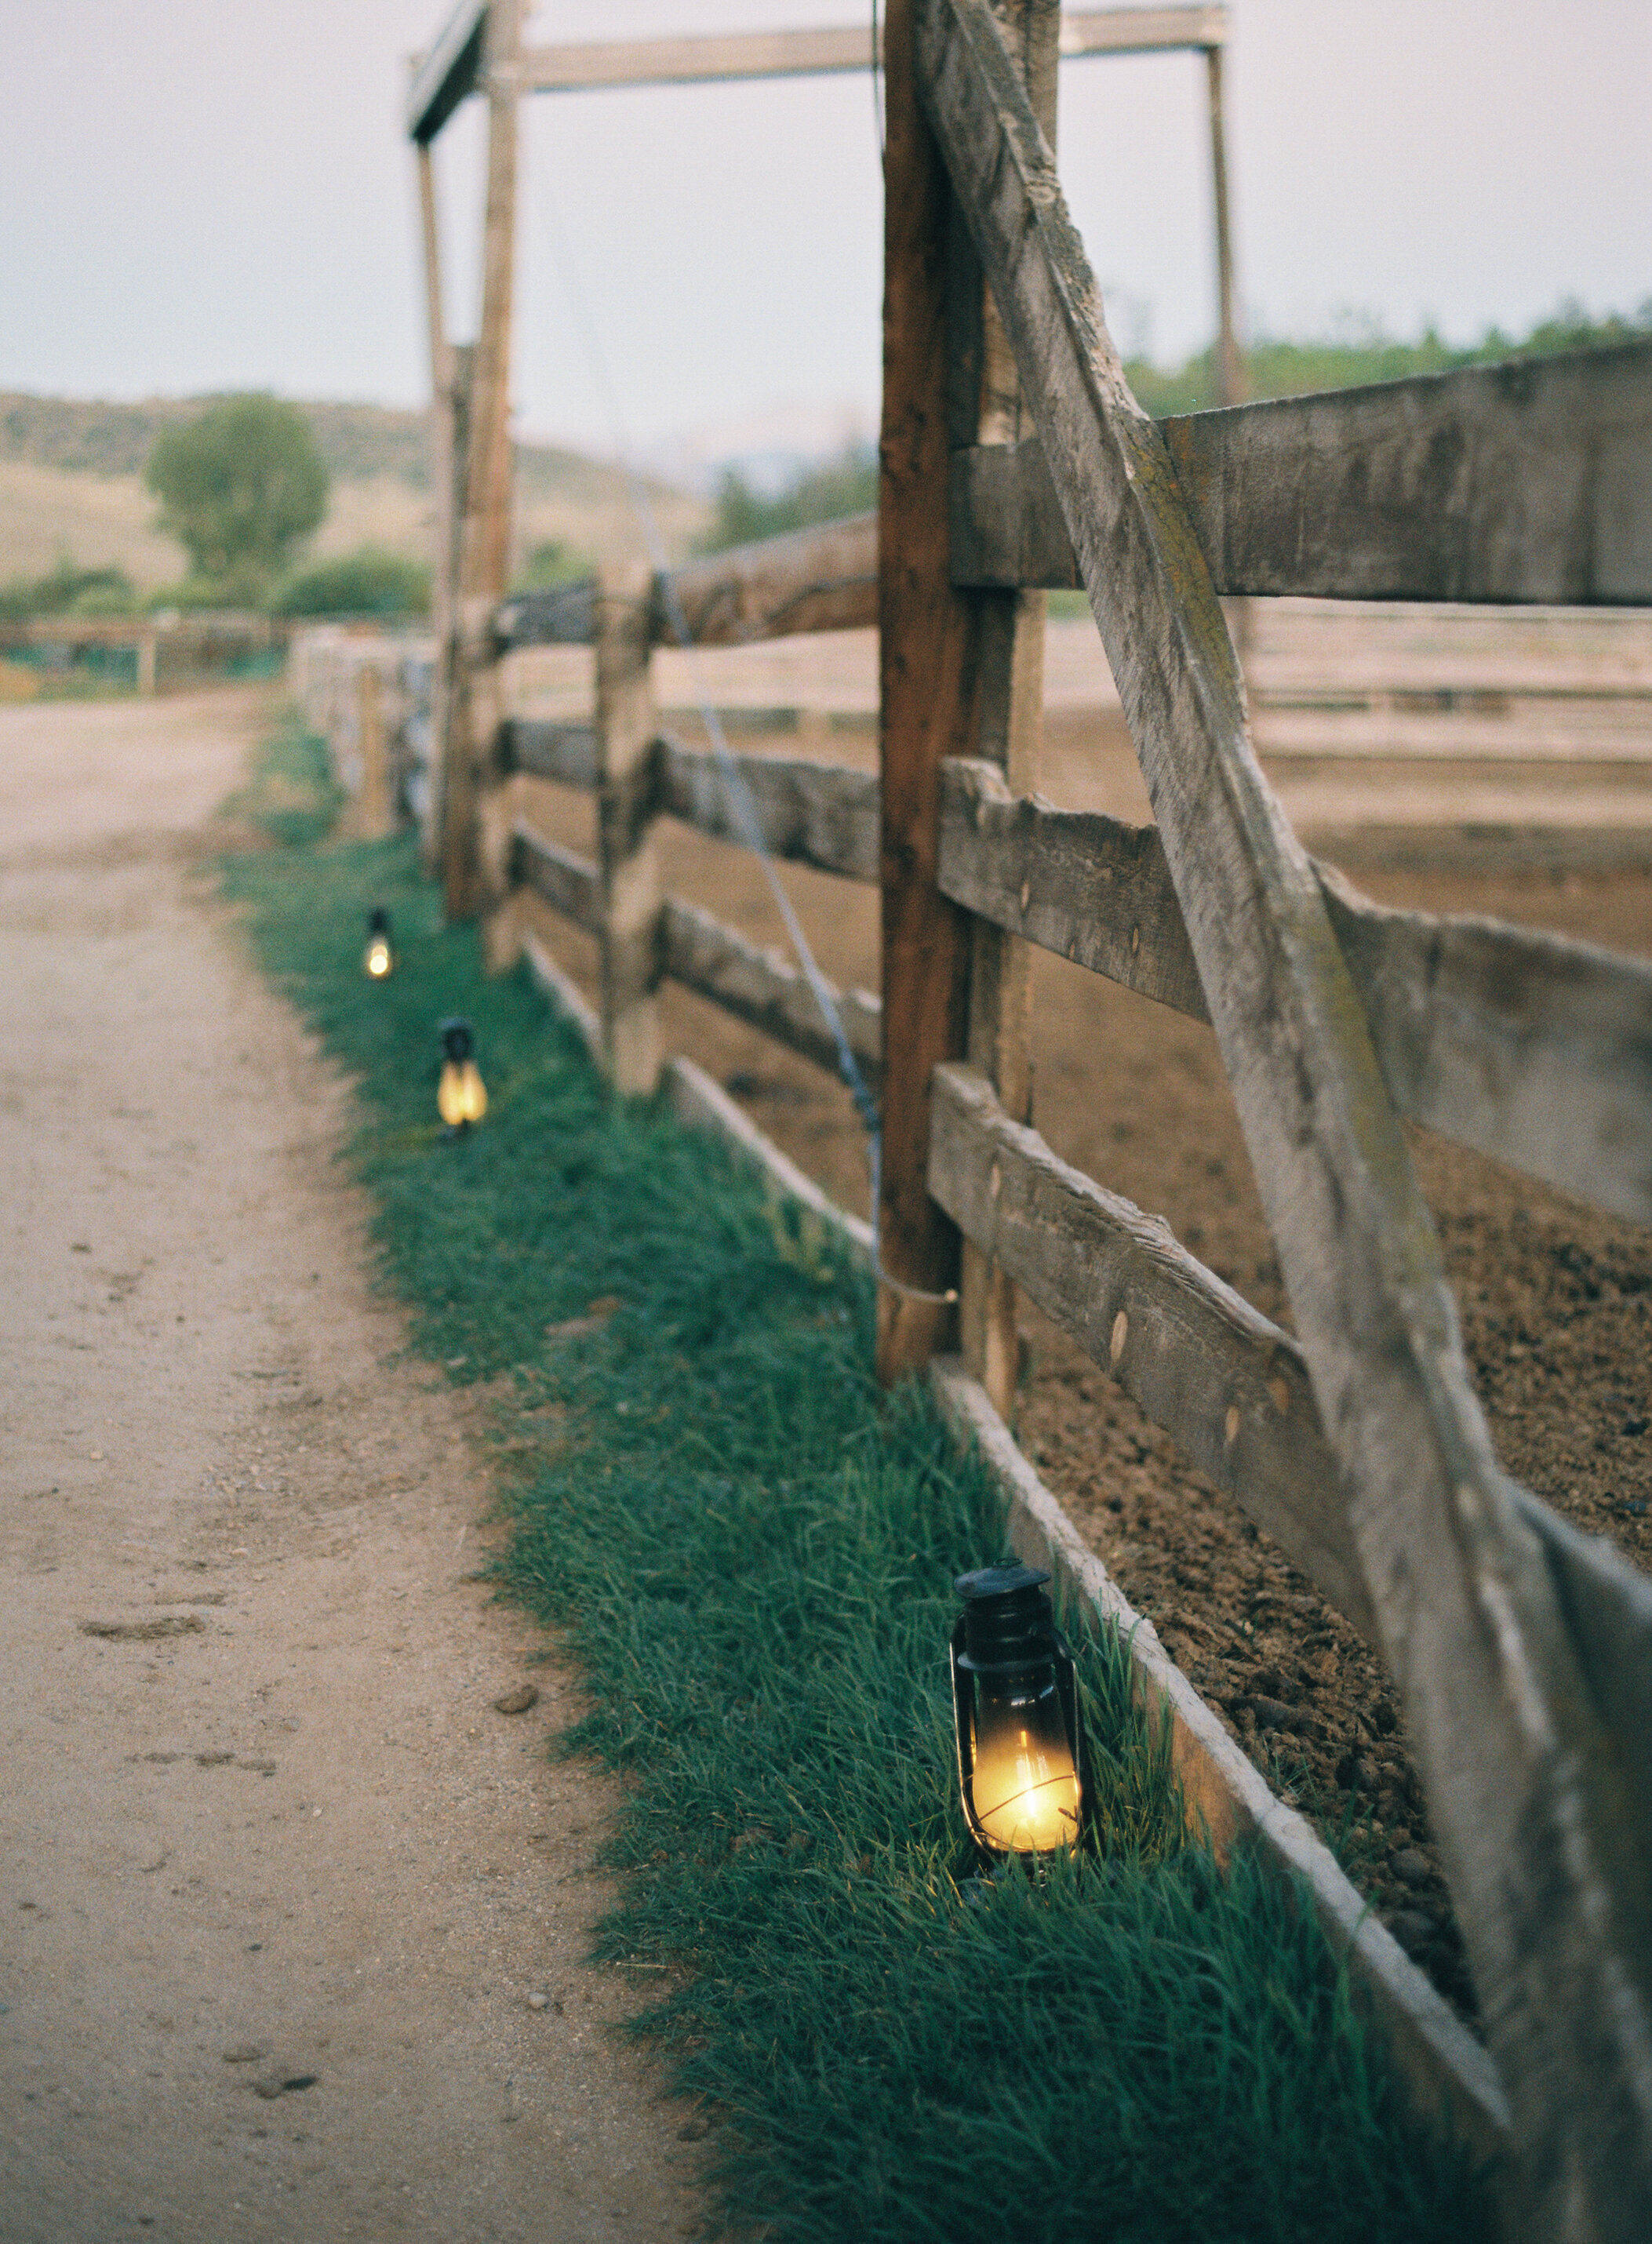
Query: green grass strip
pixel 750 1552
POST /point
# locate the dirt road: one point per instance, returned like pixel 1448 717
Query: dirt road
pixel 279 1887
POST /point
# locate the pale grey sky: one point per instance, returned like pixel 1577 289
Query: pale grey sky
pixel 215 193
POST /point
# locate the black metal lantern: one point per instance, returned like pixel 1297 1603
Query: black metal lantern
pixel 461 1097
pixel 379 959
pixel 1015 1704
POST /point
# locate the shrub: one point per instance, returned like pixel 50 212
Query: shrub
pixel 68 590
pixel 369 582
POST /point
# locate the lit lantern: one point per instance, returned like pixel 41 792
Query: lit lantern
pixel 379 958
pixel 1015 1702
pixel 461 1096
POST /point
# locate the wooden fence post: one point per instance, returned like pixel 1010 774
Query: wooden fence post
pixel 443 552
pixel 375 816
pixel 1231 386
pixel 147 664
pixel 927 652
pixel 470 884
pixel 961 673
pixel 1010 734
pixel 626 849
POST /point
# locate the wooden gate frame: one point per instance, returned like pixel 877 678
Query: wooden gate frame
pixel 480 48
pixel 1013 457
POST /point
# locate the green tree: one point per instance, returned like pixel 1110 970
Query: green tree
pixel 238 489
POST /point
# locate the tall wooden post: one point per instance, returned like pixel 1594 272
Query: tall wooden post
pixel 928 659
pixel 470 880
pixel 961 673
pixel 443 549
pixel 1231 386
pixel 374 811
pixel 626 731
pixel 1011 733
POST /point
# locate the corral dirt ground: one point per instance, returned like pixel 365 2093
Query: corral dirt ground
pixel 1556 1301
pixel 278 1883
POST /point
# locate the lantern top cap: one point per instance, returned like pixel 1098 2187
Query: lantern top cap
pixel 378 921
pixel 1000 1581
pixel 456 1040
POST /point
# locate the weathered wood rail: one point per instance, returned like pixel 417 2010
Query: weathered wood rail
pixel 1014 459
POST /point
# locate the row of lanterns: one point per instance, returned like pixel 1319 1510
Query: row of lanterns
pixel 461 1095
pixel 1015 1698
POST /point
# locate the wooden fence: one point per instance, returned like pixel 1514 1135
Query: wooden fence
pixel 1014 458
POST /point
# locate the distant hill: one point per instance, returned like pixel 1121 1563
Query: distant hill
pixel 71 487
pixel 91 436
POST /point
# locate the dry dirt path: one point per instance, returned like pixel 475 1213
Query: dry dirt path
pixel 259 1820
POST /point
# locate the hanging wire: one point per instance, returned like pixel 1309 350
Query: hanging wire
pixel 734 779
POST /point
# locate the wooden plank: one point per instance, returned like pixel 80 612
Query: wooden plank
pixel 700 1104
pixel 564 617
pixel 566 753
pixel 631 906
pixel 819 814
pixel 1140 30
pixel 1444 2071
pixel 564 995
pixel 810 580
pixel 1228 1384
pixel 1525 482
pixel 761 988
pixel 442 78
pixel 1544 1847
pixel 568 883
pixel 570 67
pixel 1232 1388
pixel 1525 1046
pixel 928 644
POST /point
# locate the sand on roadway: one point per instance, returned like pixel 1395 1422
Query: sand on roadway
pixel 267 1828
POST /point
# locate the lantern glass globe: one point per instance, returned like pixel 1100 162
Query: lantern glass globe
pixel 1025 1786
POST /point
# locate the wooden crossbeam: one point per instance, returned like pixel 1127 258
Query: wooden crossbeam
pixel 567 882
pixel 568 68
pixel 820 815
pixel 1525 1046
pixel 1546 1843
pixel 757 986
pixel 1526 482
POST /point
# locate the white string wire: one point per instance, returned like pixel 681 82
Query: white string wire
pixel 734 779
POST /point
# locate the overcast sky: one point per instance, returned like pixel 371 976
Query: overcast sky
pixel 214 194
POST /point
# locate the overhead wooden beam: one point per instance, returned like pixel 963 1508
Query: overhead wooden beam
pixel 1529 482
pixel 443 78
pixel 568 68
pixel 1545 1841
pixel 1524 1045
